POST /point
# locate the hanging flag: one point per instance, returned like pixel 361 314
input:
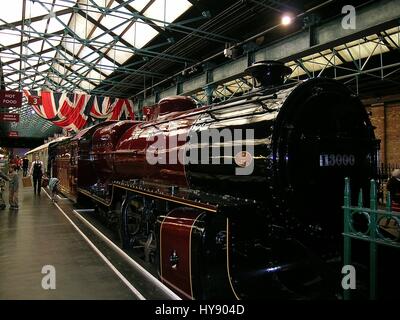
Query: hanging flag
pixel 71 111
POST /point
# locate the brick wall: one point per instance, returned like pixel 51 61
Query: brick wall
pixel 386 118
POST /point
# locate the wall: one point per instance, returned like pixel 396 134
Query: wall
pixel 385 117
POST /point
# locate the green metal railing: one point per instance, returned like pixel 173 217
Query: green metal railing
pixel 379 225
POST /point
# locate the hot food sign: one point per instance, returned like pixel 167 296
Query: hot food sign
pixel 11 99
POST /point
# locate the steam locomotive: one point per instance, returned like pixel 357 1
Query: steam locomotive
pixel 272 230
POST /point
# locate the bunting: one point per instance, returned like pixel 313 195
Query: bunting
pixel 71 111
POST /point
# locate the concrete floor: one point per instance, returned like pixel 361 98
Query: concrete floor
pixel 37 235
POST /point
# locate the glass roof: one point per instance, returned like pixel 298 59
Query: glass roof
pixel 358 50
pixel 73 45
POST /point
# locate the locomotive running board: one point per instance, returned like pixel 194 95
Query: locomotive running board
pixel 165 196
pixel 152 194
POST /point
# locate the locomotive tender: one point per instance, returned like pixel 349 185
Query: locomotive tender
pixel 213 233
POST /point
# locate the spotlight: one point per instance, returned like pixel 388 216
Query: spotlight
pixel 286 20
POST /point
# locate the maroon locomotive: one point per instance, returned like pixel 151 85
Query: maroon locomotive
pixel 240 199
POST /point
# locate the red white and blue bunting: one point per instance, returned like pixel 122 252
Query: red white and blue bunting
pixel 71 111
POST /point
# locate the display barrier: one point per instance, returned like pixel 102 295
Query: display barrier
pixel 27 182
pixel 378 227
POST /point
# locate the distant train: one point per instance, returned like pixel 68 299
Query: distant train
pixel 42 152
pixel 211 231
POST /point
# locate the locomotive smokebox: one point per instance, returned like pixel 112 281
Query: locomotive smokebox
pixel 268 74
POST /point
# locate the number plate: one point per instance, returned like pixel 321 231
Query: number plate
pixel 337 160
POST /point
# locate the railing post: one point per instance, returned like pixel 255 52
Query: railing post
pixel 373 244
pixel 388 202
pixel 347 239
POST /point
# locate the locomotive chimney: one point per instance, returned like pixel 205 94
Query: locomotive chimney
pixel 268 74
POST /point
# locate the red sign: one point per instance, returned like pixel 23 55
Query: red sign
pixel 9 117
pixel 12 134
pixel 34 100
pixel 10 99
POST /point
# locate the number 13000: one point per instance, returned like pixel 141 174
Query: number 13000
pixel 337 160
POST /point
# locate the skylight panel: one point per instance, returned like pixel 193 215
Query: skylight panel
pixel 77 66
pixel 81 26
pixel 13 12
pixel 7 54
pixel 13 77
pixel 395 38
pixel 61 69
pixel 111 21
pixel 50 43
pixel 106 66
pixel 56 25
pixel 345 55
pixel 175 8
pixel 87 7
pixel 35 9
pixel 118 54
pixel 86 85
pixel 157 11
pixel 14 66
pixel 62 4
pixel 71 44
pixel 167 10
pixel 54 78
pixel 8 37
pixel 83 70
pixel 66 57
pixel 103 40
pixel 88 54
pixel 121 11
pixel 139 4
pixel 37 27
pixel 5 59
pixel 12 87
pixel 143 34
pixel 100 3
pixel 40 70
pixel 129 35
pixel 35 46
pixel 95 76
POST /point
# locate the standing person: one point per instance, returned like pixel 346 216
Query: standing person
pixel 25 166
pixel 37 172
pixel 18 162
pixel 393 186
pixel 53 186
pixel 3 178
pixel 14 186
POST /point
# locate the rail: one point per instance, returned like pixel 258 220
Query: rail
pixel 378 227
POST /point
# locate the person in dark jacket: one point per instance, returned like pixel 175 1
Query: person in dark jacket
pixel 53 186
pixel 14 186
pixel 37 172
pixel 25 166
pixel 3 179
pixel 393 186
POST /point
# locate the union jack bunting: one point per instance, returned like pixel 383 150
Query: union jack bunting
pixel 71 111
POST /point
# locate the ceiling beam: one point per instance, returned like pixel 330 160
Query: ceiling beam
pixel 35 19
pixel 374 17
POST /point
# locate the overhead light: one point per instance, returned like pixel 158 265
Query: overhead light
pixel 286 20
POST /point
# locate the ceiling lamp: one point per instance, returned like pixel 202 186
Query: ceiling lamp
pixel 286 20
